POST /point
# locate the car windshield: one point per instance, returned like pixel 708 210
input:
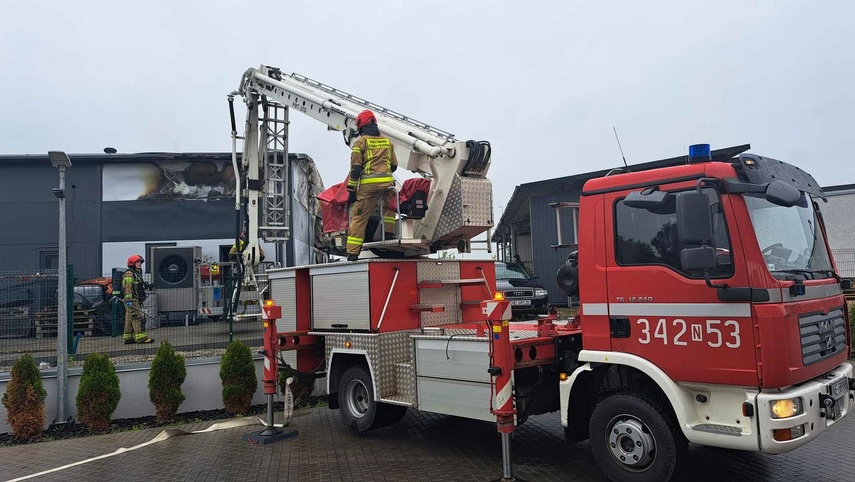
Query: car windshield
pixel 510 271
pixel 790 239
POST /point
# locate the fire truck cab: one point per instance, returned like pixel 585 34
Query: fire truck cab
pixel 711 312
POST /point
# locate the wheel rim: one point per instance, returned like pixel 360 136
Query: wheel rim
pixel 357 398
pixel 631 443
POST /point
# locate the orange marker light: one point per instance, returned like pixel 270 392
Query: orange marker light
pixel 499 296
pixel 562 376
pixel 348 344
pixel 269 303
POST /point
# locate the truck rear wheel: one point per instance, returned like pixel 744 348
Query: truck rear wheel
pixel 358 405
pixel 634 440
pixel 356 399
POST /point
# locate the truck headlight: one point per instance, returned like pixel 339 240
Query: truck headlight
pixel 787 408
pixel 540 292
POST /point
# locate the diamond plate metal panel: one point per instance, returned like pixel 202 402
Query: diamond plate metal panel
pixel 452 211
pixel 468 209
pixel 405 382
pixel 447 296
pixel 384 351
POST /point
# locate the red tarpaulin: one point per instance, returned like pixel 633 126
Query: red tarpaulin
pixel 334 208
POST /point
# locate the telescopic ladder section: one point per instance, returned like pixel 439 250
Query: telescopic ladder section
pixel 377 109
pixel 274 157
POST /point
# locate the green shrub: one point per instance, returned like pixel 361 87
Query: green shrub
pixel 25 399
pixel 237 372
pixel 99 394
pixel 302 386
pixel 164 382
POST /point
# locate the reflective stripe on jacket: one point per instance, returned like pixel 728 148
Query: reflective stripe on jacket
pixel 376 155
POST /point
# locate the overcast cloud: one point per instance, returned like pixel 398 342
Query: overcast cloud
pixel 544 82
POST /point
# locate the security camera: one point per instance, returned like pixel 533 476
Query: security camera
pixel 59 193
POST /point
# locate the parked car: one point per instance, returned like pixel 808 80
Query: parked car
pixel 527 296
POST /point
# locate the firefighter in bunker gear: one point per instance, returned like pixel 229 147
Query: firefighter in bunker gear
pixel 133 288
pixel 372 162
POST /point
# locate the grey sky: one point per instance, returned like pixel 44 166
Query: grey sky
pixel 544 82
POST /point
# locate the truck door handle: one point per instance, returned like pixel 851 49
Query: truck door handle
pixel 619 326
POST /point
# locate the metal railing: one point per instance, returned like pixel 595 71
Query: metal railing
pixel 28 319
pixel 845 260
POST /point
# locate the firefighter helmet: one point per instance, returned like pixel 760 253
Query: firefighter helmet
pixel 365 117
pixel 133 260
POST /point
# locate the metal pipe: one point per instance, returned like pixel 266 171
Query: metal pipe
pixel 62 310
pixel 507 467
pixel 270 410
pixel 388 297
pixel 558 227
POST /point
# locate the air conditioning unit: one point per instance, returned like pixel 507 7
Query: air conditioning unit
pixel 174 277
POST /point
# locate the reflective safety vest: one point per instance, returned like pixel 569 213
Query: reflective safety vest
pixel 376 155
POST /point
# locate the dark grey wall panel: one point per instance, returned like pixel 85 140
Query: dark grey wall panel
pixel 544 233
pixel 32 182
pixel 155 220
pixel 29 215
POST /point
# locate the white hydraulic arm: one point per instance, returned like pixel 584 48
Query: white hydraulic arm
pixel 460 201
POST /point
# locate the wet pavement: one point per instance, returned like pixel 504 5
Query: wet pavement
pixel 420 447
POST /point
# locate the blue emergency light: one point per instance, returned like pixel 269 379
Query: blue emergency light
pixel 699 153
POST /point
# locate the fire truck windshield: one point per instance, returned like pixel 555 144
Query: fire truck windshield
pixel 790 239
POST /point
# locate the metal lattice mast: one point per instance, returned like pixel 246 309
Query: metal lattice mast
pixel 275 207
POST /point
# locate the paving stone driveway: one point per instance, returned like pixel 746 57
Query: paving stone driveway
pixel 421 447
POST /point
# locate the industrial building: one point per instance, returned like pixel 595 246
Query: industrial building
pixel 123 204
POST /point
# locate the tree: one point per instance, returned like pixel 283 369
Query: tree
pixel 25 399
pixel 237 372
pixel 164 382
pixel 99 394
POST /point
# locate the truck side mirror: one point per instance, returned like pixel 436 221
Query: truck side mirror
pixel 698 259
pixel 694 226
pixel 783 194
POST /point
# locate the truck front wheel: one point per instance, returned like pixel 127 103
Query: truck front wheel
pixel 634 440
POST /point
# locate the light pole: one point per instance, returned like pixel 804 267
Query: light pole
pixel 60 160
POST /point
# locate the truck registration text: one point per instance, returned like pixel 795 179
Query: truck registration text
pixel 716 333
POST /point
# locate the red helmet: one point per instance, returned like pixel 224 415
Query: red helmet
pixel 133 260
pixel 365 117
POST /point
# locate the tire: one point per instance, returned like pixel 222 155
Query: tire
pixel 356 399
pixel 359 409
pixel 639 429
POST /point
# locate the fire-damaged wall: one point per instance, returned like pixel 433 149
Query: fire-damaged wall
pixel 120 204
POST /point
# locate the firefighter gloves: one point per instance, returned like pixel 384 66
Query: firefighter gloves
pixel 351 197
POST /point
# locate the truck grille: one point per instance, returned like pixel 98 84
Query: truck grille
pixel 822 336
pixel 519 293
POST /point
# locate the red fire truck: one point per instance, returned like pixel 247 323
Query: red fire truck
pixel 711 313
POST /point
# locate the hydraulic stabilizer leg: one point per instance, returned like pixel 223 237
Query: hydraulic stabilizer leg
pixel 271 433
pixel 498 313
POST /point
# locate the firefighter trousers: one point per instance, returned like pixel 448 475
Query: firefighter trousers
pixel 366 200
pixel 134 319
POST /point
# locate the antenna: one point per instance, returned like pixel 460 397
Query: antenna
pixel 621 151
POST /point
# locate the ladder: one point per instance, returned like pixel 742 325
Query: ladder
pixel 274 157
